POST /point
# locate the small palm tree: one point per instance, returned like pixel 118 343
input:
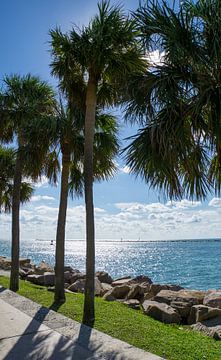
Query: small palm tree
pixel 7 165
pixel 106 51
pixel 70 133
pixel 24 102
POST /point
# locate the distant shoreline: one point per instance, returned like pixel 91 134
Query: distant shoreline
pixel 127 241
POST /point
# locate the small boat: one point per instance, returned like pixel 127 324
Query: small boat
pixel 52 242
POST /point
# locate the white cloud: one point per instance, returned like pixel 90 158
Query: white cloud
pixel 42 197
pixel 125 169
pixel 216 202
pixel 183 204
pixel 127 220
pixel 43 182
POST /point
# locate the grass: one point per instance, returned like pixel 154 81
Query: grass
pixel 172 342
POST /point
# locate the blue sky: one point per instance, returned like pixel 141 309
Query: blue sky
pixel 125 207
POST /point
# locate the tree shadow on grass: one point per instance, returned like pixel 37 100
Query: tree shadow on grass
pixel 39 342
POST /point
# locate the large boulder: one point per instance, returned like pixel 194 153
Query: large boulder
pixel 77 286
pixel 140 279
pixel 77 276
pixel 121 281
pixel 193 297
pixel 201 313
pixel 161 312
pixel 5 263
pixel 132 303
pixel 67 276
pixel 137 292
pixel 183 308
pixel 42 268
pixel 47 279
pixel 36 279
pixel 105 288
pixel 211 327
pixel 97 287
pixel 104 277
pixel 213 299
pixel 118 292
pixel 70 269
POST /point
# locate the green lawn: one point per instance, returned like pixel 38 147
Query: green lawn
pixel 115 319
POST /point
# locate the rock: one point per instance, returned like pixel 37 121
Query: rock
pixel 207 329
pixel 183 308
pixel 49 279
pixel 67 276
pixel 213 299
pixel 22 274
pixel 77 286
pixel 140 279
pixel 42 268
pixel 104 277
pixel 36 279
pixel 51 288
pixel 77 276
pixel 136 292
pixel 70 269
pixel 154 289
pixel 201 313
pixel 108 296
pixel 97 287
pixel 118 292
pixel 161 312
pixel 132 303
pixel 193 297
pixel 24 262
pixel 121 281
pixel 5 263
pixel 105 288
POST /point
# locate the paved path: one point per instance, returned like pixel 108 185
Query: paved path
pixel 29 331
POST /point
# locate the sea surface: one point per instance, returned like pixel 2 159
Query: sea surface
pixel 193 264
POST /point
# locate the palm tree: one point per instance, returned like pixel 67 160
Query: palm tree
pixel 24 102
pixel 179 100
pixel 7 165
pixel 70 131
pixel 106 51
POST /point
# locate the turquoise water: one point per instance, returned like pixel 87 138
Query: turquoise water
pixel 193 264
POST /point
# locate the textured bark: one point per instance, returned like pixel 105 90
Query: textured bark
pixel 91 100
pixel 60 236
pixel 14 278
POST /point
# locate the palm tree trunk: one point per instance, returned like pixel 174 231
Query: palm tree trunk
pixel 60 236
pixel 91 102
pixel 14 278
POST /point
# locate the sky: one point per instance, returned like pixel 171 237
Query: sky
pixel 124 207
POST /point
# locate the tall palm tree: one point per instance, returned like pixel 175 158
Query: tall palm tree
pixel 7 165
pixel 23 102
pixel 179 100
pixel 106 51
pixel 70 131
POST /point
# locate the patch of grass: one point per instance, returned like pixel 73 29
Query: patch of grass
pixel 172 342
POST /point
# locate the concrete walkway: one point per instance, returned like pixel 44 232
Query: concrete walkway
pixel 29 331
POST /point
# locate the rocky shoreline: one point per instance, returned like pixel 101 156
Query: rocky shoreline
pixel 164 302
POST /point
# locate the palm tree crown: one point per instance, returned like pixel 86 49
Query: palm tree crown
pixel 179 100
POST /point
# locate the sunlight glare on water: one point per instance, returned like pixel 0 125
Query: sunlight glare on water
pixel 193 264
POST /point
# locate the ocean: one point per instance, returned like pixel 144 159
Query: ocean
pixel 195 264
